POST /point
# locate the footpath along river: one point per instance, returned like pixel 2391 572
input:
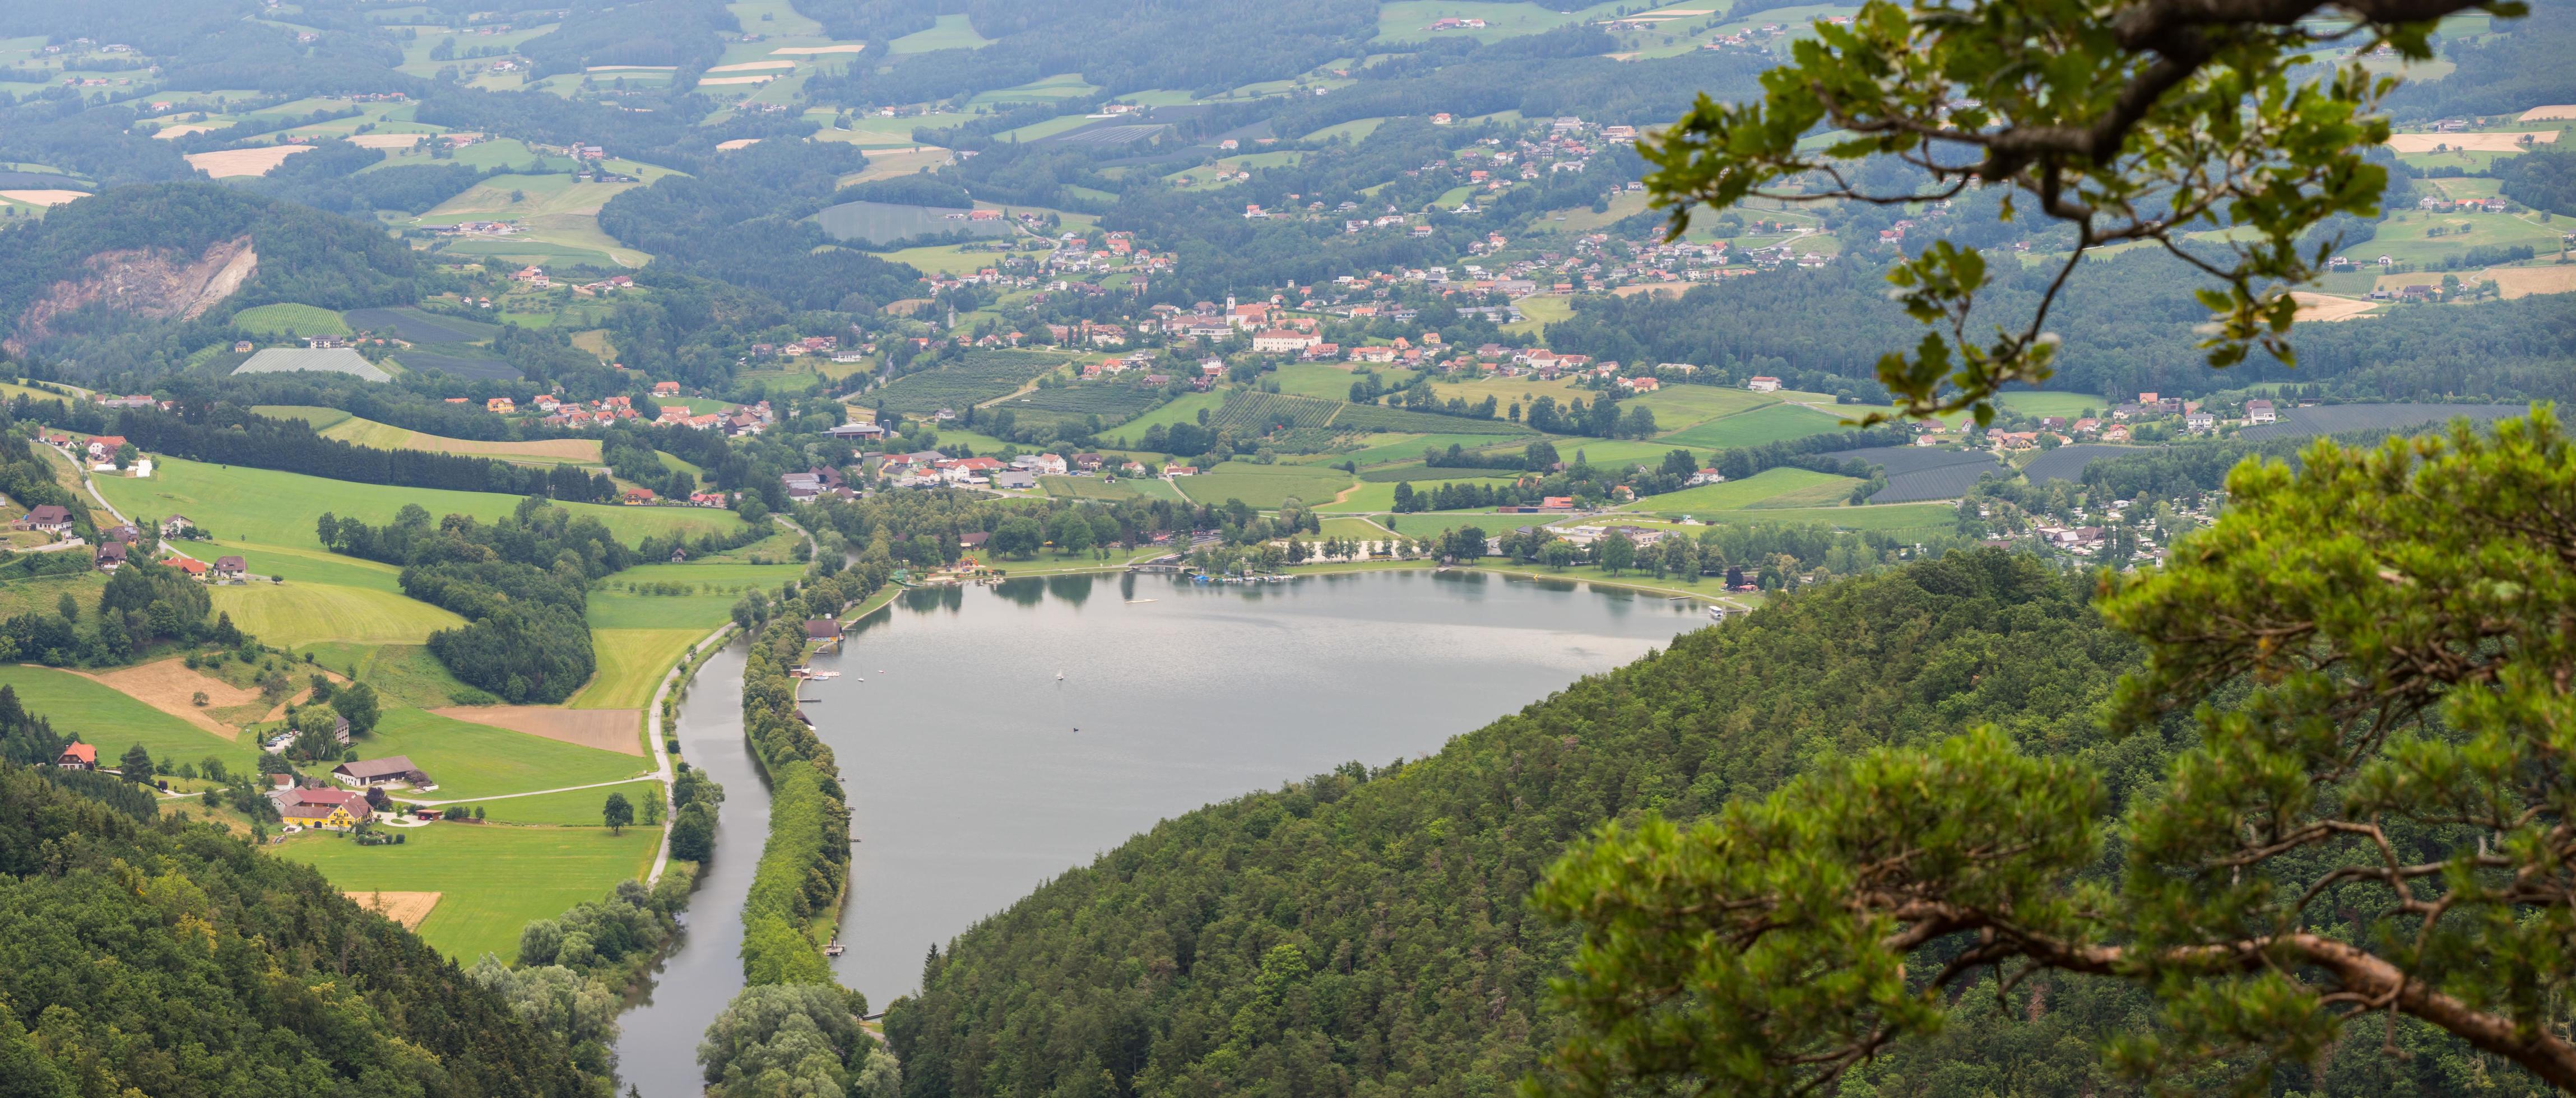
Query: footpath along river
pixel 993 737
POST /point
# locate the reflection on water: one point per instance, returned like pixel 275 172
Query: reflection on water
pixel 991 737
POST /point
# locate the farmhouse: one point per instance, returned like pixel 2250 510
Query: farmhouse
pixel 110 556
pixel 48 518
pixel 396 770
pixel 336 809
pixel 1762 383
pixel 78 756
pixel 230 568
pixel 2259 411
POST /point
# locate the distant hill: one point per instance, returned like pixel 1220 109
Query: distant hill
pixel 141 255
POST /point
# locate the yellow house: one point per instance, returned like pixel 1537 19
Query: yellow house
pixel 338 809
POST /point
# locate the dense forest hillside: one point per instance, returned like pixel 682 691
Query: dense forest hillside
pixel 1367 928
pixel 175 959
pixel 2127 323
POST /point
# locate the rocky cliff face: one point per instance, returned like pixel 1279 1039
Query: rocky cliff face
pixel 159 283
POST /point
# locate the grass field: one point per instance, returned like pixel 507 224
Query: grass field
pixel 953 32
pixel 304 565
pixel 386 436
pixel 1600 452
pixel 717 588
pixel 492 880
pixel 572 808
pixel 1380 496
pixel 1894 518
pixel 1356 529
pixel 1096 488
pixel 1265 486
pixel 114 722
pixel 1776 423
pixel 631 664
pixel 1353 131
pixel 1182 410
pixel 1539 311
pixel 470 760
pixel 406 673
pixel 1686 405
pixel 1315 379
pixel 294 614
pixel 314 417
pixel 2069 405
pixel 1739 494
pixel 279 319
pixel 1408 20
pixel 265 506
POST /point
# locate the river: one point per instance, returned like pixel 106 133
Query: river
pixel 975 772
pixel 657 1046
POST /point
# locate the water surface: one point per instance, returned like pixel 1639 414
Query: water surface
pixel 657 1043
pixel 975 772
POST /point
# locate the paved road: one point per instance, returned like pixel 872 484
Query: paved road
pixel 661 752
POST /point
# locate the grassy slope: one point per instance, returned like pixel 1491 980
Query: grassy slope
pixel 273 508
pixel 291 615
pixel 492 880
pixel 470 760
pixel 631 662
pixel 1265 485
pixel 115 722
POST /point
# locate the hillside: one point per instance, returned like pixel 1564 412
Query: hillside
pixel 232 973
pixel 1383 908
pixel 179 251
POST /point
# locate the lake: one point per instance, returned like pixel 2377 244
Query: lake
pixel 975 773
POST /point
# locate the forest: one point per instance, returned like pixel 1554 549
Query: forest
pixel 741 223
pixel 2127 323
pixel 227 434
pixel 526 639
pixel 233 971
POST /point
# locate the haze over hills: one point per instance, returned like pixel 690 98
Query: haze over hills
pixel 467 470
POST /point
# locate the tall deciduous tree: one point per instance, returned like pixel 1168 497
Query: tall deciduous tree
pixel 2139 121
pixel 2374 651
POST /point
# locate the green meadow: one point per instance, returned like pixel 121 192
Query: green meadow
pixel 114 722
pixel 492 880
pixel 285 317
pixel 1776 423
pixel 1739 494
pixel 632 663
pixel 268 507
pixel 570 808
pixel 1265 486
pixel 470 760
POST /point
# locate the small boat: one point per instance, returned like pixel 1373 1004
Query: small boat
pixel 1059 676
pixel 822 676
pixel 1132 602
pixel 835 948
